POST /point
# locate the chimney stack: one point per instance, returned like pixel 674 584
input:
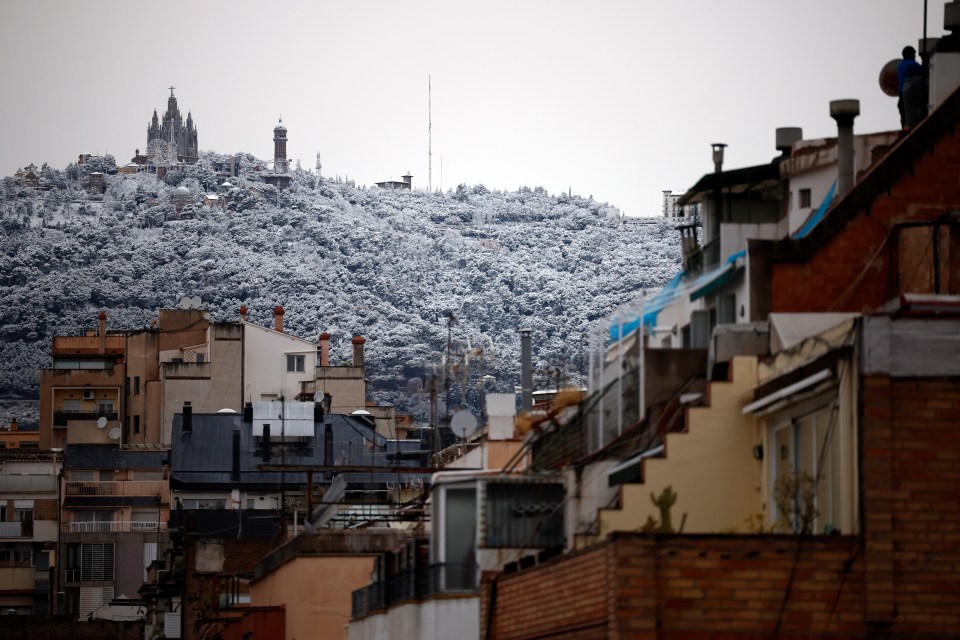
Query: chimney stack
pixel 717 148
pixel 278 318
pixel 786 137
pixel 102 332
pixel 844 112
pixel 526 370
pixel 324 349
pixel 357 343
pixel 243 313
pixel 187 417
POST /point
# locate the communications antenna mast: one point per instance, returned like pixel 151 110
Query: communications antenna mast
pixel 429 136
pixel 318 170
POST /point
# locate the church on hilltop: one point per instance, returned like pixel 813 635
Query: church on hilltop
pixel 172 130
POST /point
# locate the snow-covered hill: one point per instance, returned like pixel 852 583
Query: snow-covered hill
pixel 388 265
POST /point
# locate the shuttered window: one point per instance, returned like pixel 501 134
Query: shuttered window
pixel 96 561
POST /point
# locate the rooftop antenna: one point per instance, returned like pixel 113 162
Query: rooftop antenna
pixel 429 136
pixel 318 169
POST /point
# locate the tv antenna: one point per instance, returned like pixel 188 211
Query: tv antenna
pixel 429 136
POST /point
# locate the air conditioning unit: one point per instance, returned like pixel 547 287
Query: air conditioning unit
pixel 89 394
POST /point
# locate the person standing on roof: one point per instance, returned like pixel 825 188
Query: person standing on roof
pixel 908 68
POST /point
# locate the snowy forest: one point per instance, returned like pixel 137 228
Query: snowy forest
pixel 390 265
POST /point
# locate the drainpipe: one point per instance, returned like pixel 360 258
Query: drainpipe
pixel 526 370
pixel 844 112
pixel 102 332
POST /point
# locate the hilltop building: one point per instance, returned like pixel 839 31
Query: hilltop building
pixel 406 183
pixel 172 129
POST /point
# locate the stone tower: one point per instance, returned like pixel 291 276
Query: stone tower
pixel 280 148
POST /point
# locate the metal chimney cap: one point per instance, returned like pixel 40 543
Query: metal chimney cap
pixel 846 107
pixel 951 16
pixel 526 332
pixel 786 136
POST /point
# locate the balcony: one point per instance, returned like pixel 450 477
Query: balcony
pixel 87 345
pixel 63 418
pixel 115 526
pixel 116 488
pixel 417 583
pixel 16 529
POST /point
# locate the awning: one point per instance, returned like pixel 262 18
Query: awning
pixel 788 391
pixel 712 281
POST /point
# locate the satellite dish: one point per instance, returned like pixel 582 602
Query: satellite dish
pixel 184 302
pixel 226 410
pixel 888 78
pixel 101 422
pixel 463 423
pixel 195 302
pixel 361 412
pixel 115 433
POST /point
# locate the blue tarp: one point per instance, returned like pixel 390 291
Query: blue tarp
pixel 672 292
pixel 818 215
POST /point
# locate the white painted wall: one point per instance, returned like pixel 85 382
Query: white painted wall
pixel 435 619
pixel 265 363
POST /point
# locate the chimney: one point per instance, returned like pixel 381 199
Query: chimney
pixel 357 343
pixel 844 112
pixel 235 471
pixel 13 425
pixel 102 331
pixel 243 313
pixel 526 370
pixel 786 137
pixel 944 65
pixel 187 417
pixel 717 148
pixel 278 318
pixel 324 349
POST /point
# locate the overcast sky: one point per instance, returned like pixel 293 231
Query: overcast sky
pixel 615 99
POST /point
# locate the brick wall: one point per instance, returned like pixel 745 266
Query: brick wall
pixel 565 598
pixel 829 280
pixel 203 589
pixel 911 500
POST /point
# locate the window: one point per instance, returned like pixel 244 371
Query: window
pixel 104 407
pixel 136 424
pixel 71 406
pixel 804 198
pixel 26 444
pixel 295 363
pixel 805 467
pixel 201 358
pixel 136 385
pixel 96 561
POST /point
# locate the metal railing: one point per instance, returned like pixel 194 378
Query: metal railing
pixel 115 488
pixel 16 529
pixel 114 526
pixel 61 418
pixel 416 583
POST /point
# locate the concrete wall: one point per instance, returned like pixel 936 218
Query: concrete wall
pixel 345 385
pixel 316 591
pixel 434 619
pixel 710 466
pixel 209 386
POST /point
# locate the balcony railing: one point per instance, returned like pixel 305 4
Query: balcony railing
pixel 16 529
pixel 415 584
pixel 115 526
pixel 61 418
pixel 116 488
